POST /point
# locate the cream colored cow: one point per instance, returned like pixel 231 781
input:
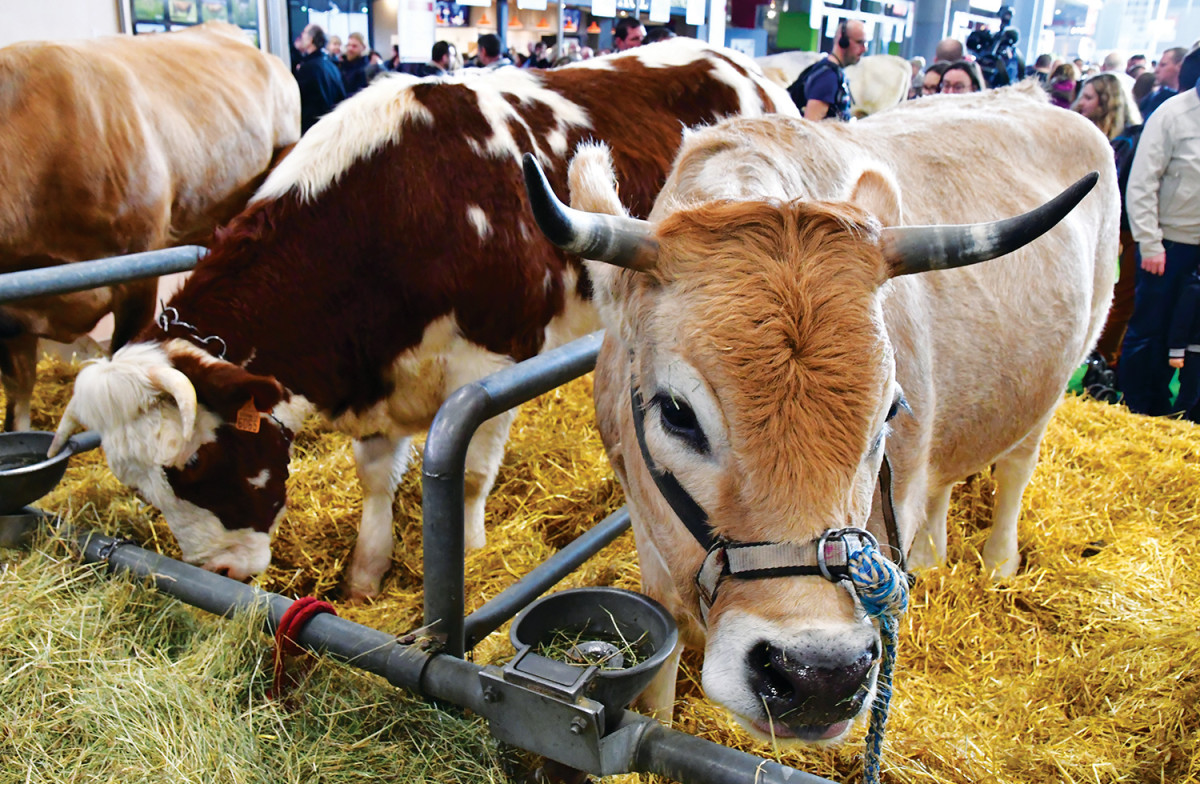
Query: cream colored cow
pixel 787 316
pixel 877 82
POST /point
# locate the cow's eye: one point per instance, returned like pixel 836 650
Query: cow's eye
pixel 679 420
pixel 193 459
pixel 897 405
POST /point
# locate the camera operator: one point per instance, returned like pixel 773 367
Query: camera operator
pixel 997 54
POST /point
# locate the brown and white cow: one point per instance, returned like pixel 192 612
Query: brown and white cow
pixel 390 259
pixel 122 144
pixel 783 319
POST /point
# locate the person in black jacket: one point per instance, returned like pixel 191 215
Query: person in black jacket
pixel 354 64
pixel 320 82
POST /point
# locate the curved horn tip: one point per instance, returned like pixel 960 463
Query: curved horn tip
pixel 176 383
pixel 67 427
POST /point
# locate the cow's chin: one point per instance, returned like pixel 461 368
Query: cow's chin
pixel 779 732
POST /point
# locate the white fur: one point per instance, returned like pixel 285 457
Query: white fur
pixel 479 220
pixel 353 131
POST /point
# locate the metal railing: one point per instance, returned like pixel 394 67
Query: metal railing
pixel 78 276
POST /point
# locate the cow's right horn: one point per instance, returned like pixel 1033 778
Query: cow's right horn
pixel 918 249
pixel 616 239
pixel 67 427
pixel 178 386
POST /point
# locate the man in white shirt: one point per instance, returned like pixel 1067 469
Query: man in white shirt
pixel 1163 202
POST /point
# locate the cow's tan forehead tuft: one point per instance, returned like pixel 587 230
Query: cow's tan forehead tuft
pixel 780 312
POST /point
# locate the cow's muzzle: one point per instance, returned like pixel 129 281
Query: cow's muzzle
pixel 810 696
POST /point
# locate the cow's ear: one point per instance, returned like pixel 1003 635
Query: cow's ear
pixel 878 194
pixel 224 388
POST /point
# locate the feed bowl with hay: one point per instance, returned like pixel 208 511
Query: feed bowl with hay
pixel 626 636
pixel 1080 668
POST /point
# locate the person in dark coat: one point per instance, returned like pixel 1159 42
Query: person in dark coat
pixel 354 64
pixel 319 79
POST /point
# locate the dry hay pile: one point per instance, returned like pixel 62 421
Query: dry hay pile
pixel 1082 668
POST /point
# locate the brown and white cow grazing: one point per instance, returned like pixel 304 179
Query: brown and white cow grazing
pixel 390 259
pixel 786 316
pixel 122 144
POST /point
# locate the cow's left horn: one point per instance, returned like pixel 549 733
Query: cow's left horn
pixel 176 384
pixel 616 239
pixel 918 249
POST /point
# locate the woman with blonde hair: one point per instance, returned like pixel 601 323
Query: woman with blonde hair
pixel 1106 102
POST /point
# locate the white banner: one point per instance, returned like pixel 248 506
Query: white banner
pixel 531 5
pixel 695 11
pixel 605 8
pixel 660 11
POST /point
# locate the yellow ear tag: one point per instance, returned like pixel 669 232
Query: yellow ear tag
pixel 248 417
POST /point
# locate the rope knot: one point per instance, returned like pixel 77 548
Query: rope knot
pixel 881 586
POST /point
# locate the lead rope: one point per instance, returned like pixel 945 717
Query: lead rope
pixel 882 588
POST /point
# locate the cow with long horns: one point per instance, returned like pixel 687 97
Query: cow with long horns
pixel 805 299
pixel 388 261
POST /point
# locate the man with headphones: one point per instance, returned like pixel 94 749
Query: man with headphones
pixel 821 90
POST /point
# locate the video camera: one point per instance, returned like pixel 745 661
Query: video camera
pixel 996 53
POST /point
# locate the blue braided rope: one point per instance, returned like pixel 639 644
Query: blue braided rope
pixel 883 591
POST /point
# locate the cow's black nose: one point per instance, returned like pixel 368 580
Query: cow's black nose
pixel 800 689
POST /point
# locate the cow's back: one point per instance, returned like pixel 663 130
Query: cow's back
pixel 994 344
pixel 124 143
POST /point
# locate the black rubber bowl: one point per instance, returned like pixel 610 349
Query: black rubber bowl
pixel 603 611
pixel 26 474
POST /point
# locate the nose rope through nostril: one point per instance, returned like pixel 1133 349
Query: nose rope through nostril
pixel 882 588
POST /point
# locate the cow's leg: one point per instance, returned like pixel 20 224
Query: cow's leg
pixel 483 462
pixel 133 309
pixel 18 369
pixel 1011 474
pixel 380 463
pixel 929 546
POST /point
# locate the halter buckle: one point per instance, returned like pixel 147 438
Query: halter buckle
pixel 830 537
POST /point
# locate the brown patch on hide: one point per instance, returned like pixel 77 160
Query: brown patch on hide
pixel 218 476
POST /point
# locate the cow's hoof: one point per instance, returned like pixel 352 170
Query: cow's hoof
pixel 1002 566
pixel 923 555
pixel 354 593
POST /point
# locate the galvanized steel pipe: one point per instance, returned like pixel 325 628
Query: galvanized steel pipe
pixel 79 276
pixel 638 744
pixel 444 466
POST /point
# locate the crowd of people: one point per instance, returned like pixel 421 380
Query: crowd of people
pixel 1149 111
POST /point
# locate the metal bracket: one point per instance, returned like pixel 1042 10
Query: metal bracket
pixel 539 704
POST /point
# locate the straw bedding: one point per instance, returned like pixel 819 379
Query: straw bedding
pixel 1082 668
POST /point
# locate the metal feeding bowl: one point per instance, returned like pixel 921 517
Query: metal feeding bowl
pixel 626 635
pixel 26 474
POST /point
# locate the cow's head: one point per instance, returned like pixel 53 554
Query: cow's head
pixel 756 379
pixel 168 414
